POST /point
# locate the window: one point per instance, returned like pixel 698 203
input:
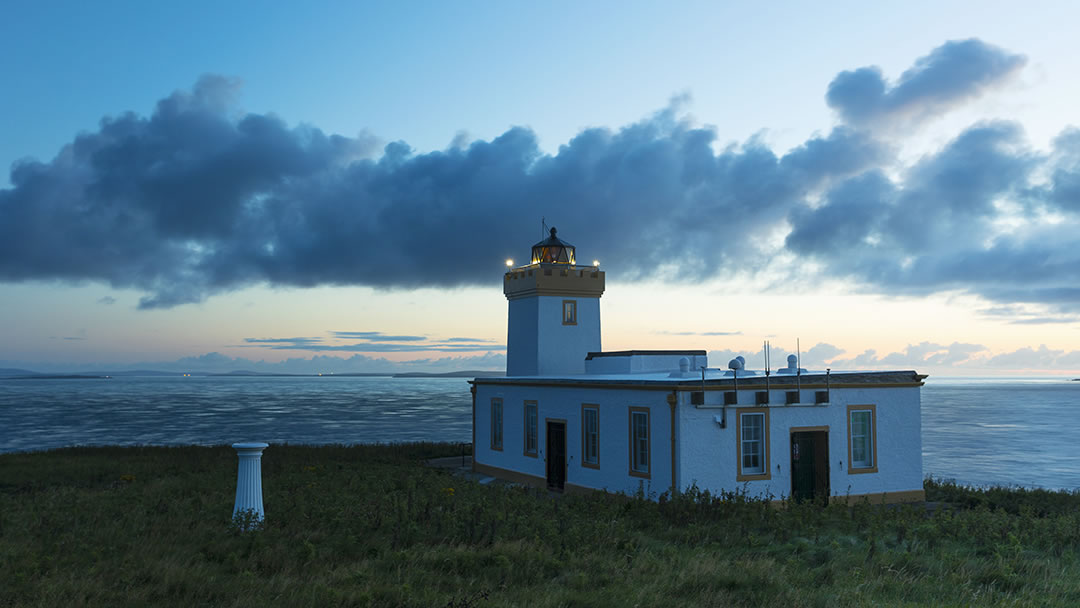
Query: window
pixel 496 423
pixel 530 428
pixel 569 312
pixel 639 442
pixel 862 439
pixel 590 436
pixel 752 437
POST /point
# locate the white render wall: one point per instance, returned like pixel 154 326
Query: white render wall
pixel 521 337
pixel 709 454
pixel 563 402
pixel 537 342
pixel 640 363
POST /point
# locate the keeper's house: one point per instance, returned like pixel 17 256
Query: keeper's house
pixel 570 416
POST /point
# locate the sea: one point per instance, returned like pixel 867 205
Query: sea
pixel 976 431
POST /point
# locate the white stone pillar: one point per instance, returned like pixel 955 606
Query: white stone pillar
pixel 249 480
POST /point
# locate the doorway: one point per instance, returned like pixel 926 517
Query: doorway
pixel 810 463
pixel 556 454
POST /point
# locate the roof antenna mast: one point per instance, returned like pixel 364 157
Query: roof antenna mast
pixel 798 368
pixel 543 228
pixel 765 347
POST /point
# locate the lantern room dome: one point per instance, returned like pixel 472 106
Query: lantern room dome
pixel 553 250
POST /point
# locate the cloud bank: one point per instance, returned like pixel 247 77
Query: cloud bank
pixel 954 72
pixel 374 342
pixel 200 198
pixel 958 358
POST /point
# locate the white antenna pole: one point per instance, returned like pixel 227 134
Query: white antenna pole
pixel 766 372
pixel 798 368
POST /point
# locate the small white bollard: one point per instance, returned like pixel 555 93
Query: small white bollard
pixel 249 499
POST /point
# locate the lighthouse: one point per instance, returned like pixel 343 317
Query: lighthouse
pixel 554 312
pixel 569 416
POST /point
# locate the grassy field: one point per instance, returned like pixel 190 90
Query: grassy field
pixel 369 525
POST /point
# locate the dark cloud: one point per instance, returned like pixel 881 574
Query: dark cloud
pixel 968 218
pixel 290 342
pixel 472 340
pixel 200 198
pixel 1046 320
pixel 107 300
pixel 1027 315
pixel 1063 190
pixel 952 73
pixel 375 335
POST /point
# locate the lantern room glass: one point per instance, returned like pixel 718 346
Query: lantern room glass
pixel 553 250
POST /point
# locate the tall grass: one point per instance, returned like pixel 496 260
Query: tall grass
pixel 369 525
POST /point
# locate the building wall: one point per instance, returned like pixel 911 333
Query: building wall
pixel 641 363
pixel 565 403
pixel 539 344
pixel 709 454
pixel 563 347
pixel 521 337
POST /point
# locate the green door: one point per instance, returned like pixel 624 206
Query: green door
pixel 556 455
pixel 809 465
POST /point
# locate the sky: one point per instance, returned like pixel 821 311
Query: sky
pixel 334 187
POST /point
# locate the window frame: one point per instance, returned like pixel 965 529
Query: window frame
pixel 496 431
pixel 872 449
pixel 531 403
pixel 573 317
pixel 766 472
pixel 585 407
pixel 647 473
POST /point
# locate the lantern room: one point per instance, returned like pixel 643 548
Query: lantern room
pixel 553 320
pixel 553 250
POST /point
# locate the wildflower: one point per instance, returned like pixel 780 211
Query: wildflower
pixel 448 491
pixel 127 478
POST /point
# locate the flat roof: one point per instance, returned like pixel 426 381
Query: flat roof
pixel 645 353
pixel 664 381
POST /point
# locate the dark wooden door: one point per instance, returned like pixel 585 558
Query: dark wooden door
pixel 809 465
pixel 556 455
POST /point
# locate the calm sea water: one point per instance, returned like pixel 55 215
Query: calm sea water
pixel 976 431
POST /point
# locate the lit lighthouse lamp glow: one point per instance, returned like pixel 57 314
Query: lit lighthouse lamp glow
pixel 553 250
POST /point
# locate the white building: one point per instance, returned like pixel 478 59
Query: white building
pixel 570 416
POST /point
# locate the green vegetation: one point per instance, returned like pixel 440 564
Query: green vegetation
pixel 369 525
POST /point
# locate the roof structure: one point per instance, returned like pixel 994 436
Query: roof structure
pixel 714 381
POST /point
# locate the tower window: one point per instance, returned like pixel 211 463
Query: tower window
pixel 569 312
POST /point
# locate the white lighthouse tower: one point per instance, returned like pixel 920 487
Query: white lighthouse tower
pixel 554 317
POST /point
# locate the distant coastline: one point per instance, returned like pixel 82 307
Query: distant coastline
pixel 25 374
